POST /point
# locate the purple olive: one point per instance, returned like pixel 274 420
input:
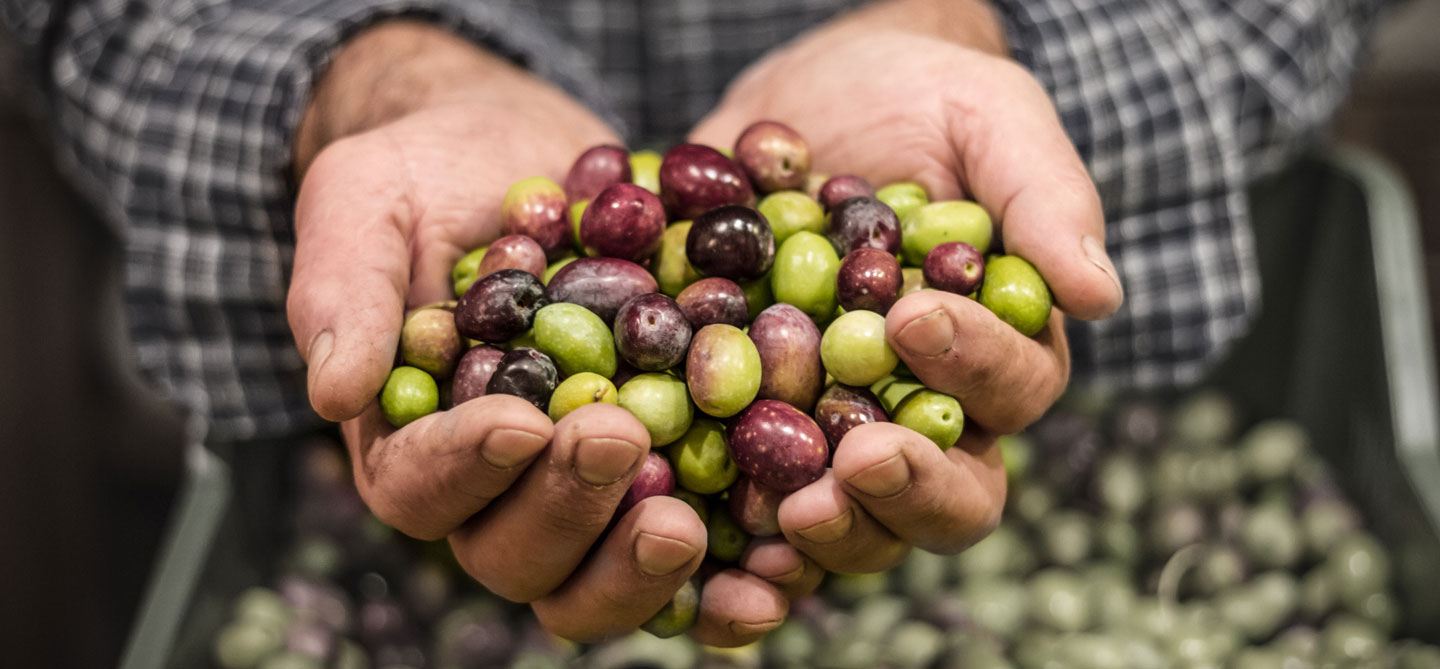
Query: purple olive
pixel 864 222
pixel 600 167
pixel 789 346
pixel 714 300
pixel 600 285
pixel 525 373
pixel 956 267
pixel 655 479
pixel 624 221
pixel 842 187
pixel 755 508
pixel 773 155
pixel 695 179
pixel 513 252
pixel 778 446
pixel 844 407
pixel 536 208
pixel 473 373
pixel 869 279
pixel 500 307
pixel 651 332
pixel 732 242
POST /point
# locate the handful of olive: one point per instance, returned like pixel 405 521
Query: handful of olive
pixel 748 336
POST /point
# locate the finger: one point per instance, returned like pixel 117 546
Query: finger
pixel 783 566
pixel 1003 379
pixel 736 608
pixel 648 555
pixel 824 522
pixel 1017 161
pixel 428 477
pixel 941 501
pixel 351 272
pixel 530 539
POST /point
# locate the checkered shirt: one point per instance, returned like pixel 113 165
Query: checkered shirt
pixel 175 119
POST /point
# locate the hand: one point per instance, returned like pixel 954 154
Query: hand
pixel 406 152
pixel 920 90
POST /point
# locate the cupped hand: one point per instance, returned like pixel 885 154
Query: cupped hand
pixel 919 90
pixel 406 153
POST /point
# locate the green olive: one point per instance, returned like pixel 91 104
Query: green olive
pixel 466 270
pixel 804 274
pixel 1015 292
pixel 672 271
pixel 662 404
pixel 645 170
pixel 581 389
pixel 931 225
pixel 409 393
pixel 855 351
pixel 791 211
pixel 576 339
pixel 903 197
pixel 701 459
pixel 935 415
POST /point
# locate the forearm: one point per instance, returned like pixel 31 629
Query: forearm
pixel 970 23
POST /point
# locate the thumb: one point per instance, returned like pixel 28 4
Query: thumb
pixel 347 293
pixel 1022 166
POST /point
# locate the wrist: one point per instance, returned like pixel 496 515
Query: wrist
pixel 971 23
pixel 387 72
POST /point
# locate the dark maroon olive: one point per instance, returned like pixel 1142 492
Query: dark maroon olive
pixel 844 407
pixel 869 279
pixel 623 221
pixel 842 187
pixel 513 252
pixel 778 446
pixel 500 307
pixel 655 478
pixel 651 332
pixel 695 179
pixel 473 373
pixel 600 167
pixel 732 242
pixel 714 300
pixel 755 508
pixel 955 267
pixel 789 347
pixel 600 285
pixel 864 222
pixel 774 156
pixel 525 373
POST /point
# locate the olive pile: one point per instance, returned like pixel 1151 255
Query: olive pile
pixel 747 337
pixel 1130 539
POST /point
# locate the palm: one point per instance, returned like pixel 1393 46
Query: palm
pixel 443 173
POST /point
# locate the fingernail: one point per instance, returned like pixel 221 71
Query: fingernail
pixel 742 628
pixel 1095 251
pixel 829 531
pixel 929 335
pixel 884 479
pixel 658 556
pixel 319 352
pixel 602 461
pixel 505 448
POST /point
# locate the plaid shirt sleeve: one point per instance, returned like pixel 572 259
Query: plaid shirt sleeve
pixel 176 118
pixel 1176 107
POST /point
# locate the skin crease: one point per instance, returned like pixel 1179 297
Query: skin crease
pixel 387 204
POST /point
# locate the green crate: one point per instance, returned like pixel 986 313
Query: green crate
pixel 1343 346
